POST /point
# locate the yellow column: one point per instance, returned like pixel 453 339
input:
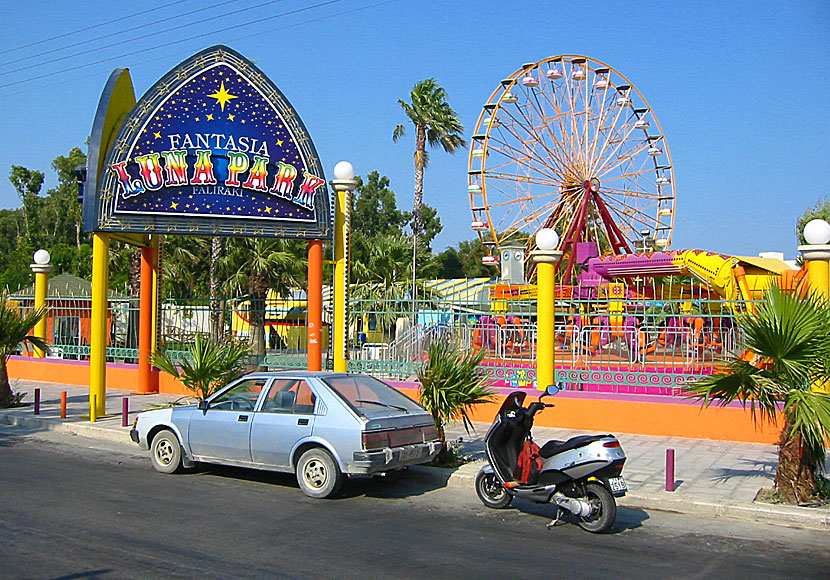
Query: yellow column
pixel 343 185
pixel 546 258
pixel 98 330
pixel 818 273
pixel 817 257
pixel 41 268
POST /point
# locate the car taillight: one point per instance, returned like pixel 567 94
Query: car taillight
pixel 430 433
pixel 375 439
pixel 614 443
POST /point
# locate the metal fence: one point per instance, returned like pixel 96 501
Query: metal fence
pixel 645 345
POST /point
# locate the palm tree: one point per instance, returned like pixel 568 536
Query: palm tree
pixel 788 342
pixel 259 265
pixel 451 384
pixel 182 263
pixel 209 365
pixel 14 329
pixel 435 123
pixel 380 280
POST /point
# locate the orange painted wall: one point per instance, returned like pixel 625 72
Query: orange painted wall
pixel 572 411
pixel 120 376
pixel 663 419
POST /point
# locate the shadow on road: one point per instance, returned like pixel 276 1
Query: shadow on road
pixel 413 484
pixel 90 574
pixel 627 518
pixel 244 474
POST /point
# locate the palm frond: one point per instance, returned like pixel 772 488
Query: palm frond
pixel 208 365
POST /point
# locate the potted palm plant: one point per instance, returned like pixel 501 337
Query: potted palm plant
pixel 208 365
pixel 450 386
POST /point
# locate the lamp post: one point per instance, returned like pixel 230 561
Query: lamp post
pixel 343 184
pixel 816 253
pixel 41 268
pixel 546 257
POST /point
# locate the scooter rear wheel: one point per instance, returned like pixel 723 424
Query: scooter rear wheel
pixel 604 509
pixel 491 492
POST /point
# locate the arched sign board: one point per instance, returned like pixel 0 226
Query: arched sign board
pixel 212 149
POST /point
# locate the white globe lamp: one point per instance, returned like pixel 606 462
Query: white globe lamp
pixel 344 170
pixel 42 257
pixel 817 232
pixel 547 239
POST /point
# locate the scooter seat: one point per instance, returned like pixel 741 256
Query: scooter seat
pixel 553 446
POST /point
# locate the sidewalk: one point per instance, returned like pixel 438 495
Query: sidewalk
pixel 712 478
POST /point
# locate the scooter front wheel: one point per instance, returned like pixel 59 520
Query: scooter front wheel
pixel 603 512
pixel 491 492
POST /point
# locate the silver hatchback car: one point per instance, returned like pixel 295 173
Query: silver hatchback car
pixel 318 425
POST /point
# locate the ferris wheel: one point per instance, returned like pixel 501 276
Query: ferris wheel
pixel 569 143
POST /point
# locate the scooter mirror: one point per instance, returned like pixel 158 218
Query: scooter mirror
pixel 552 390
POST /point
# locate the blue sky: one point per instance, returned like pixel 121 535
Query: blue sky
pixel 740 88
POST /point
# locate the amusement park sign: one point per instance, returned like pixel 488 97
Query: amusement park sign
pixel 213 148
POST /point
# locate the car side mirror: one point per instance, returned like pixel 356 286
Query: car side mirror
pixel 552 390
pixel 203 406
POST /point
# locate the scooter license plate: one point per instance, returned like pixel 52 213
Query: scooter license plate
pixel 617 484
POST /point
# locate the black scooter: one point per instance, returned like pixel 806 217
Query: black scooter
pixel 581 475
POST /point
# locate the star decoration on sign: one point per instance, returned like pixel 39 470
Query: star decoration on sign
pixel 222 96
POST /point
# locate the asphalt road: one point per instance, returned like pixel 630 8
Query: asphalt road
pixel 77 509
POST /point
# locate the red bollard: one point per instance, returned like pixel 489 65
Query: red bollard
pixel 37 401
pixel 125 412
pixel 669 469
pixel 63 404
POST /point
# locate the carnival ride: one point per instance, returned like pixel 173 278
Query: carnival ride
pixel 659 313
pixel 569 143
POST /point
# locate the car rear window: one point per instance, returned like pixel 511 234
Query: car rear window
pixel 368 395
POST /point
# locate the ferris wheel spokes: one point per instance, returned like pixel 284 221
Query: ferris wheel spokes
pixel 566 142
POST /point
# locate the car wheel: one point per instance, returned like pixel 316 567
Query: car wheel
pixel 166 452
pixel 318 474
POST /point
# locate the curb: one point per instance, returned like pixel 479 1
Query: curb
pixel 69 427
pixel 779 515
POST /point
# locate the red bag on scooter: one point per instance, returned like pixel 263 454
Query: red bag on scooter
pixel 529 463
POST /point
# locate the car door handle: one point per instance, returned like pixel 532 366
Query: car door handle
pixel 302 421
pixel 242 418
